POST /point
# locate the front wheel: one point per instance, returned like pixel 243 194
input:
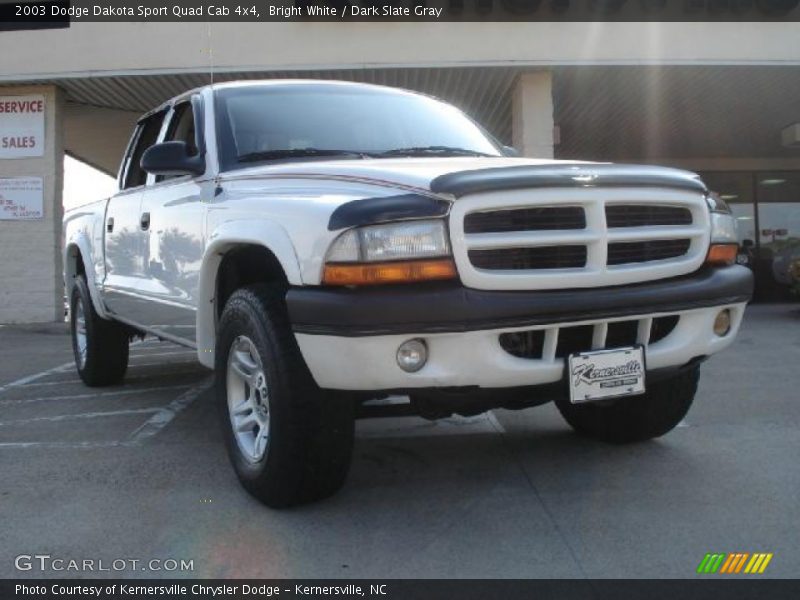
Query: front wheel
pixel 100 346
pixel 289 441
pixel 635 418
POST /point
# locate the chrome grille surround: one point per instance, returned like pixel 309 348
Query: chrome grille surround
pixel 596 236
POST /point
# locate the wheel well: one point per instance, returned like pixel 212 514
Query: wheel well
pixel 75 266
pixel 245 265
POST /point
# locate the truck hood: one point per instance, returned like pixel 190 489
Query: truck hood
pixel 403 172
pixel 463 175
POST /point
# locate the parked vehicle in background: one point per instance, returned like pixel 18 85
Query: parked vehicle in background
pixel 794 276
pixel 783 261
pixel 324 244
pixel 746 256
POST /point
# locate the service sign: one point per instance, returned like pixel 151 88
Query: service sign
pixel 21 126
pixel 21 198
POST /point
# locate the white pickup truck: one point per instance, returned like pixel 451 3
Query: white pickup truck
pixel 323 245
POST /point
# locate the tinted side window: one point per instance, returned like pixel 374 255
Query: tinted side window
pixel 148 134
pixel 181 129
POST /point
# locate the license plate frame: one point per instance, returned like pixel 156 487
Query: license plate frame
pixel 598 375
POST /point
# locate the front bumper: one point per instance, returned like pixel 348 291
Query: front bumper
pixel 349 338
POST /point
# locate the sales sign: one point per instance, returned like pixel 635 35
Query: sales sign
pixel 21 198
pixel 21 126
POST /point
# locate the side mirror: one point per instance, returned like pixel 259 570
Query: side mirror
pixel 172 158
pixel 510 151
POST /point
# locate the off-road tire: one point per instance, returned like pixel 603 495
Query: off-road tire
pixel 635 418
pixel 311 431
pixel 107 342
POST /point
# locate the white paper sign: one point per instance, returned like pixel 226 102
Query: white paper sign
pixel 21 126
pixel 21 198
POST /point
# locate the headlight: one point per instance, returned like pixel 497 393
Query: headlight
pixel 724 238
pixel 391 253
pixel 717 204
pixel 394 241
pixel 723 229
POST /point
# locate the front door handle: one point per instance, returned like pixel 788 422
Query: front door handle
pixel 144 221
pixel 110 225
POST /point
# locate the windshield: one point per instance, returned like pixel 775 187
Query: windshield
pixel 307 122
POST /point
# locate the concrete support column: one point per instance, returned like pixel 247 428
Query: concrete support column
pixel 532 114
pixel 31 283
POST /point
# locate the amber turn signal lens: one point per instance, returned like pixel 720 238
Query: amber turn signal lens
pixel 388 272
pixel 722 254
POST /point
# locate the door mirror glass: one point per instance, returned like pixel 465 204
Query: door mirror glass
pixel 172 158
pixel 510 151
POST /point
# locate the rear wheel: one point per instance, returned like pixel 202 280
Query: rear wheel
pixel 100 346
pixel 635 418
pixel 289 441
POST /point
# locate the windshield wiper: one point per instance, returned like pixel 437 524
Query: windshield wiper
pixel 296 153
pixel 432 151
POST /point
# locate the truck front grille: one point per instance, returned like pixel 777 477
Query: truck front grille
pixel 642 215
pixel 577 238
pixel 623 253
pixel 563 341
pixel 548 257
pixel 546 218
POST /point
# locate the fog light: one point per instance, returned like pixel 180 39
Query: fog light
pixel 412 355
pixel 722 324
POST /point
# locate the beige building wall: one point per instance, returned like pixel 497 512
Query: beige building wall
pixel 532 114
pixel 98 136
pixel 31 285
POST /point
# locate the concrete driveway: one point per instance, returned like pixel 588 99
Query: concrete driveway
pixel 138 472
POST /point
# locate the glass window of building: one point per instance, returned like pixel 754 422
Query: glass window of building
pixel 778 200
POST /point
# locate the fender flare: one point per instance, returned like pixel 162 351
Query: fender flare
pixel 256 232
pixel 81 242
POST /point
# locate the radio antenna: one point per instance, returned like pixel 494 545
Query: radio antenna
pixel 210 53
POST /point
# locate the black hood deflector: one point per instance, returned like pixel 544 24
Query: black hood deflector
pixel 569 175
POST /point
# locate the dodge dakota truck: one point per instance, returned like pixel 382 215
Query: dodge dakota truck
pixel 326 245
